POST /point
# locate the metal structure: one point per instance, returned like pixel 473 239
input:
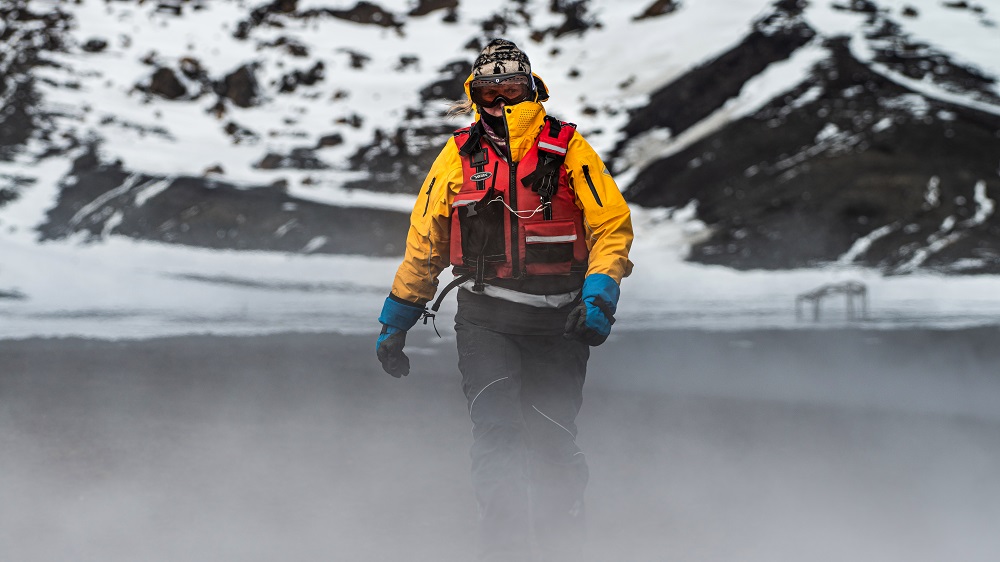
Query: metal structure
pixel 850 289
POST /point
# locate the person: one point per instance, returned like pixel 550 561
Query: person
pixel 538 235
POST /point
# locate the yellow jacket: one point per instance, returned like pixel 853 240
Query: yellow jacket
pixel 608 222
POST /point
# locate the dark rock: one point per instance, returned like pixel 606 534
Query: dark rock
pixel 13 188
pixel 363 13
pixel 293 80
pixel 859 6
pixel 271 161
pixel 240 134
pixel 192 69
pixel 425 7
pixel 407 61
pixel 291 46
pixel 38 33
pixel 94 45
pixel 165 84
pixel 285 6
pixel 398 162
pixel 658 8
pixel 173 7
pixel 910 12
pixel 358 60
pixel 705 88
pixel 261 14
pixel 919 61
pixel 353 120
pixel 326 141
pixel 298 159
pixel 452 85
pixel 495 25
pixel 240 86
pixel 577 20
pixel 783 189
pixel 207 212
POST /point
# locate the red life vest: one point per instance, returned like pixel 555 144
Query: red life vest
pixel 502 228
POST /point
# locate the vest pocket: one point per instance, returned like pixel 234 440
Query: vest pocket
pixel 481 220
pixel 548 247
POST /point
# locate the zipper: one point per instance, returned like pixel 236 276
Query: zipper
pixel 515 259
pixel 428 195
pixel 590 182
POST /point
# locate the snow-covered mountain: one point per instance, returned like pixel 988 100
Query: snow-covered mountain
pixel 805 132
pixel 752 134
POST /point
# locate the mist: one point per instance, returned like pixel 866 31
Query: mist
pixel 750 446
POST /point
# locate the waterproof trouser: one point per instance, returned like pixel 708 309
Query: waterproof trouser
pixel 529 476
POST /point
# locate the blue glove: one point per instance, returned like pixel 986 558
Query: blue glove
pixel 397 317
pixel 591 320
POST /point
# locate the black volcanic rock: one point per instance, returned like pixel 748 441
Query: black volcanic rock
pixel 95 45
pixel 104 199
pixel 706 88
pixel 847 155
pixel 425 7
pixel 452 85
pixel 291 81
pixel 240 86
pixel 35 34
pixel 362 12
pixel 397 162
pixel 297 159
pixel 164 83
pixel 658 8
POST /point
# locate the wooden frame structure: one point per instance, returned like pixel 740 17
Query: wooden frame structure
pixel 850 289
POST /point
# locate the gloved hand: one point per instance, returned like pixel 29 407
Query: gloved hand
pixel 590 321
pixel 389 349
pixel 397 317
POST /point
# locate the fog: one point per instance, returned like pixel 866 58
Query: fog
pixel 745 446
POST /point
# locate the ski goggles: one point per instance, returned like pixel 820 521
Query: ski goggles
pixel 509 88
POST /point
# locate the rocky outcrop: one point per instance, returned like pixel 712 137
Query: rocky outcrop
pixel 658 8
pixel 425 7
pixel 27 35
pixel 849 167
pixel 101 199
pixel 164 83
pixel 240 86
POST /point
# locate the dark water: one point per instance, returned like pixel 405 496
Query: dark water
pixel 753 446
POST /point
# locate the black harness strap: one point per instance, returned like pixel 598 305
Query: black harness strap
pixel 544 180
pixel 447 289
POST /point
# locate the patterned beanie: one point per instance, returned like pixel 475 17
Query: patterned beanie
pixel 501 56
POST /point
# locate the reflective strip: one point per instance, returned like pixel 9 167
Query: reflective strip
pixel 537 301
pixel 463 202
pixel 481 391
pixel 564 238
pixel 554 421
pixel 552 147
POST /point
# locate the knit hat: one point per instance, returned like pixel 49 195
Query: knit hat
pixel 501 56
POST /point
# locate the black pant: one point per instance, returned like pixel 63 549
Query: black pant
pixel 524 392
